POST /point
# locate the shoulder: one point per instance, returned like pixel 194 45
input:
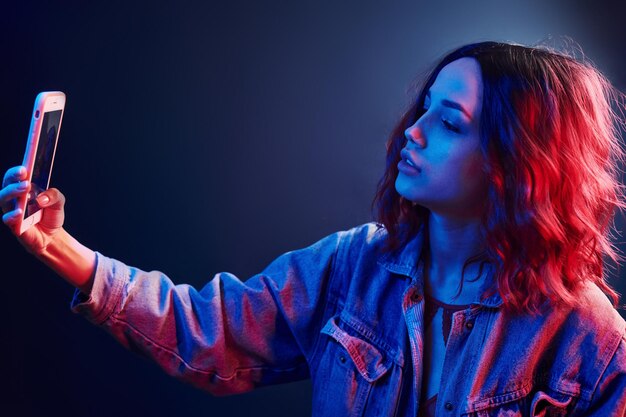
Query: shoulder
pixel 592 325
pixel 588 335
pixel 365 238
pixel 568 348
pixel 594 313
pixel 371 233
pixel 343 245
pixel 599 333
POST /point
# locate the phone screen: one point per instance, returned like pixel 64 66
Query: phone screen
pixel 43 159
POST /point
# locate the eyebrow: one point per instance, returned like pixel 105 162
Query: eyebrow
pixel 453 105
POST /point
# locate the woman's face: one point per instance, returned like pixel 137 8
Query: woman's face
pixel 444 145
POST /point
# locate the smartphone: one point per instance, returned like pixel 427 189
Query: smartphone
pixel 41 147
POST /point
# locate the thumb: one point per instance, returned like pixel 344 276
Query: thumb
pixel 51 198
pixel 42 200
pixel 54 215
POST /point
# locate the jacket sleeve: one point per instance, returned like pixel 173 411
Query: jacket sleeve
pixel 228 337
pixel 609 398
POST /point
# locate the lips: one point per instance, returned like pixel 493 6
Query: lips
pixel 406 156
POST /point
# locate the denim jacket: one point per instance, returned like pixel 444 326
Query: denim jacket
pixel 351 319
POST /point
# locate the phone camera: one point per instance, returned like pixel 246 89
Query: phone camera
pixel 36 114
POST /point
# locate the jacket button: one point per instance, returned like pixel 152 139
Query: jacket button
pixel 448 406
pixel 342 359
pixel 469 325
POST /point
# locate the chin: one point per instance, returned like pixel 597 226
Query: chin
pixel 404 188
pixel 407 192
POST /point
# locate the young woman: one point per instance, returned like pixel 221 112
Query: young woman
pixel 479 291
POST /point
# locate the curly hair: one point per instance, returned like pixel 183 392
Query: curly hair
pixel 550 139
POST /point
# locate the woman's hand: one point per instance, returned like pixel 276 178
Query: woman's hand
pixel 47 240
pixel 38 237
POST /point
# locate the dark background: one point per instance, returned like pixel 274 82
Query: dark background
pixel 203 137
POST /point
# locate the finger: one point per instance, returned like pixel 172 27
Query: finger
pixel 11 217
pixel 11 192
pixel 14 174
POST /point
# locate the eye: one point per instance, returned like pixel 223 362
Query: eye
pixel 450 126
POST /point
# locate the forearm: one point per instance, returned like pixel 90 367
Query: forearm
pixel 71 260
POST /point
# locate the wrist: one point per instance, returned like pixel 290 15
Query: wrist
pixel 70 259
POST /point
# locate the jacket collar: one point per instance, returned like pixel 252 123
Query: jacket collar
pixel 407 261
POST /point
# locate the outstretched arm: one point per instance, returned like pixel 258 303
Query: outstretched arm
pixel 228 337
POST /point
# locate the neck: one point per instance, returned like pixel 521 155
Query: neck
pixel 452 241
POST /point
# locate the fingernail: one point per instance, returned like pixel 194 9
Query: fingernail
pixel 42 200
pixel 22 185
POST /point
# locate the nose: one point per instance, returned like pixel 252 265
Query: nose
pixel 414 135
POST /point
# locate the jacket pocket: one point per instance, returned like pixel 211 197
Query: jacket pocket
pixel 355 376
pixel 537 403
pixel 544 405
